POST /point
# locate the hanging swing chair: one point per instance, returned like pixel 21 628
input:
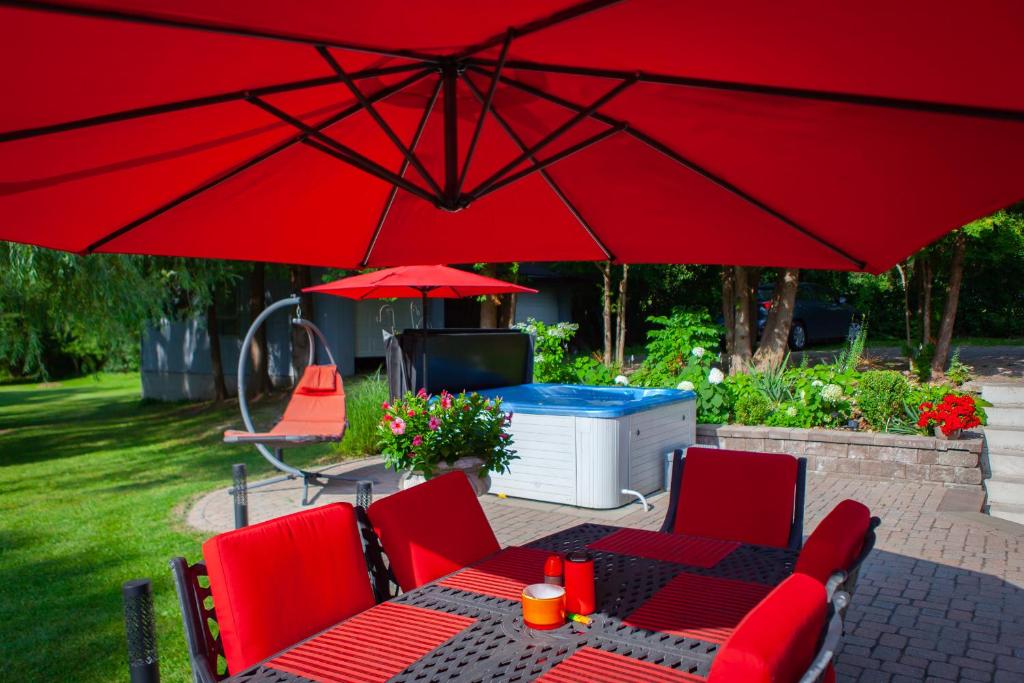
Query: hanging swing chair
pixel 315 411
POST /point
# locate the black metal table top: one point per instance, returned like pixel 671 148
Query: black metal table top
pixel 497 646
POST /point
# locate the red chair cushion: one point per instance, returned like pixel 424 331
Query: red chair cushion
pixel 318 379
pixel 284 580
pixel 776 642
pixel 432 529
pixel 737 495
pixel 836 541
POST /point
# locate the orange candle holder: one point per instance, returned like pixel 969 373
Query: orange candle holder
pixel 543 606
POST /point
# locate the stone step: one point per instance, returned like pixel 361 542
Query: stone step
pixel 1004 438
pixel 1005 415
pixel 1005 488
pixel 1003 393
pixel 1007 511
pixel 1006 463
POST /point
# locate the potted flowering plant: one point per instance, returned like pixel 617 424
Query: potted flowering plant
pixel 950 416
pixel 423 436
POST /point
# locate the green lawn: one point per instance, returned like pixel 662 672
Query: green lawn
pixel 92 484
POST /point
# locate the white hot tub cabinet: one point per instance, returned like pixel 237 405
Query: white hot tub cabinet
pixel 584 450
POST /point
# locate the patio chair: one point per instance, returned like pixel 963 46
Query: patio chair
pixel 741 496
pixel 272 584
pixel 432 529
pixel 839 543
pixel 790 636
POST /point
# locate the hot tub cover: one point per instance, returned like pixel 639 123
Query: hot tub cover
pixel 584 401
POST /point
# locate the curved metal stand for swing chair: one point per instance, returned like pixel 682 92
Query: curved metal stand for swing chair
pixel 271 444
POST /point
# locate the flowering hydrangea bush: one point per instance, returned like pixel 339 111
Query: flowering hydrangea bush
pixel 419 431
pixel 950 414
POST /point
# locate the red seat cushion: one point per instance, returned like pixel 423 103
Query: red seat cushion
pixel 284 580
pixel 737 495
pixel 836 541
pixel 776 642
pixel 432 529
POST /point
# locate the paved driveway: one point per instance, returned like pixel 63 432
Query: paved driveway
pixel 941 597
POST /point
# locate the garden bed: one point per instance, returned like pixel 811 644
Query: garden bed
pixel 879 455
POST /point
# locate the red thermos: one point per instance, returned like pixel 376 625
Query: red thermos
pixel 579 582
pixel 553 570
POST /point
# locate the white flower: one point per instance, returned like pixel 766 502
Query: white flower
pixel 817 383
pixel 685 386
pixel 538 358
pixel 832 393
pixel 803 395
pixel 622 380
pixel 791 411
pixel 698 351
pixel 531 329
pixel 715 376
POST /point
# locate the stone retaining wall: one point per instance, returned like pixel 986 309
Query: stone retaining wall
pixel 885 456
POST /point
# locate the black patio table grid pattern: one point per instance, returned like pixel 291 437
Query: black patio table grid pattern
pixel 498 647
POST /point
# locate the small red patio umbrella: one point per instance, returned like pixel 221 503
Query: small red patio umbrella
pixel 427 282
pixel 807 134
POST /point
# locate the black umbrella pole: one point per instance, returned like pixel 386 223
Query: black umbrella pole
pixel 423 327
pixel 140 631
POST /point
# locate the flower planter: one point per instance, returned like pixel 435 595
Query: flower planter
pixel 471 467
pixel 952 436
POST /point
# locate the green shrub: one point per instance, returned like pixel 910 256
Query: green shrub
pixel 671 343
pixel 752 408
pixel 589 370
pixel 959 373
pixel 550 350
pixel 881 395
pixel 363 400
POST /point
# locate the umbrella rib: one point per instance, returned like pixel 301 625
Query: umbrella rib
pixel 541 164
pixel 485 107
pixel 341 151
pixel 249 163
pixel 224 29
pixel 405 165
pixel 375 115
pixel 192 103
pixel 689 165
pixel 760 89
pixel 547 176
pixel 559 17
pixel 581 114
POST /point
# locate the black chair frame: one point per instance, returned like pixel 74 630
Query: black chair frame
pixel 796 531
pixel 204 648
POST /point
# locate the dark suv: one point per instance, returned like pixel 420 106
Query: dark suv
pixel 817 316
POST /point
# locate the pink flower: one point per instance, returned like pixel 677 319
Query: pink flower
pixel 385 406
pixel 446 400
pixel 505 436
pixel 398 426
pixel 508 418
pixel 465 409
pixel 412 413
pixel 422 393
pixel 417 440
pixel 435 424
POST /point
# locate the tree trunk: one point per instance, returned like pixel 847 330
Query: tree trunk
pixel 926 299
pixel 775 338
pixel 220 387
pixel 606 300
pixel 956 276
pixel 620 341
pixel 740 357
pixel 729 310
pixel 299 278
pixel 260 383
pixel 509 309
pixel 904 280
pixel 489 305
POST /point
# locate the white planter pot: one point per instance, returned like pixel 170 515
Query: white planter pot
pixel 471 466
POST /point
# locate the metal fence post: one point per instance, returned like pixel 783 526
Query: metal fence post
pixel 364 493
pixel 240 493
pixel 140 631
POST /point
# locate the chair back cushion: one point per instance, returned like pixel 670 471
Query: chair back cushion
pixel 283 580
pixel 836 542
pixel 737 495
pixel 777 641
pixel 432 529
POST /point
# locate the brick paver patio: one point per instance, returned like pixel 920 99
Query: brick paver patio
pixel 941 598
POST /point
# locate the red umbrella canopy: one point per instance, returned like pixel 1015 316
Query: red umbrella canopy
pixel 807 134
pixel 404 282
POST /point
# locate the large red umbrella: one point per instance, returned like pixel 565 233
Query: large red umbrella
pixel 805 133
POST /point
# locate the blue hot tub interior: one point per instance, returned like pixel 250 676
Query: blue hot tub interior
pixel 585 401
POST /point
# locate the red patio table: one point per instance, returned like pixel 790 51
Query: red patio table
pixel 665 605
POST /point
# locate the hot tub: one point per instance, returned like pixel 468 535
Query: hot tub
pixel 583 445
